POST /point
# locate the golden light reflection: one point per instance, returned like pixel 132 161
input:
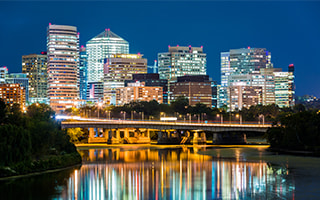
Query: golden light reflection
pixel 172 174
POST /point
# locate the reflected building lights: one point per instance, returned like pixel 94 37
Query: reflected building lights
pixel 164 174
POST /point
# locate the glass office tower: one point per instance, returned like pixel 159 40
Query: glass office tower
pixel 35 68
pixel 63 66
pixel 83 73
pixel 181 61
pixel 237 63
pixel 100 47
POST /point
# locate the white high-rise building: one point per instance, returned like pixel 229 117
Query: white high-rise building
pixel 181 61
pixel 238 67
pixel 62 66
pixel 100 48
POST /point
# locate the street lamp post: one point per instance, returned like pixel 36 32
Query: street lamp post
pixel 124 114
pixel 261 116
pixel 240 118
pixel 221 118
pixel 99 105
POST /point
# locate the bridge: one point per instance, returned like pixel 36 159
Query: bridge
pixel 109 130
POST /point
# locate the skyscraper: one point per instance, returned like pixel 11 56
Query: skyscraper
pixel 284 87
pixel 237 67
pixel 118 68
pixel 35 68
pixel 83 73
pixel 100 47
pixel 181 61
pixel 63 66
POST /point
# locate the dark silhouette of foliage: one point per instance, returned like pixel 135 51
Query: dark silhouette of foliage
pixel 300 130
pixel 33 136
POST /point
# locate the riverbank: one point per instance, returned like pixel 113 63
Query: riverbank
pixel 46 165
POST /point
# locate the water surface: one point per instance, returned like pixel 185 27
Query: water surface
pixel 138 172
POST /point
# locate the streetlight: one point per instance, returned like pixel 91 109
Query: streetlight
pixel 261 116
pixel 221 117
pixel 124 114
pixel 188 114
pixel 142 115
pixel 108 111
pixel 240 118
pixel 202 115
pixel 162 113
pixel 99 106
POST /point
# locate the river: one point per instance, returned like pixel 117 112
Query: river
pixel 175 172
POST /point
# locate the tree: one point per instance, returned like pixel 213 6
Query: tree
pixel 180 105
pixel 75 134
pixel 3 111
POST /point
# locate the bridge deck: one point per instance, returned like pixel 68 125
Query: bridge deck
pixel 160 125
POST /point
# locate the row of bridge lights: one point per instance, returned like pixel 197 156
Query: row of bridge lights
pixel 188 115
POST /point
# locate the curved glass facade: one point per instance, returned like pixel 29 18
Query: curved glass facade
pixel 63 66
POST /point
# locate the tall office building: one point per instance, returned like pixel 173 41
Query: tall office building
pixel 100 47
pixel 284 88
pixel 238 63
pixel 83 73
pixel 225 73
pixel 196 88
pixel 62 66
pixel 118 68
pixel 181 61
pixel 19 78
pixel 244 96
pixel 12 93
pixel 35 68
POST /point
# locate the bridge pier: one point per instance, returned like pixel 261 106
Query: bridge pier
pixel 97 136
pixel 199 140
pixel 114 136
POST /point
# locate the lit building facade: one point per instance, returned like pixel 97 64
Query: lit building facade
pixel 196 88
pixel 94 92
pixel 181 61
pixel 100 47
pixel 118 68
pixel 3 73
pixel 138 92
pixel 13 94
pixel 62 66
pixel 225 73
pixel 34 66
pixel 83 73
pixel 285 88
pixel 21 79
pixel 244 96
pixel 151 79
pixel 243 67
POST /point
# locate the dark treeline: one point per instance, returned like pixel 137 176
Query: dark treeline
pixel 180 108
pixel 298 130
pixel 32 141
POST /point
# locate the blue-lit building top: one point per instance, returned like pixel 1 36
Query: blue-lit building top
pixel 83 73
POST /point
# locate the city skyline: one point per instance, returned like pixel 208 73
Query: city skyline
pixel 287 29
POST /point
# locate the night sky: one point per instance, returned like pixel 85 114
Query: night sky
pixel 289 30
